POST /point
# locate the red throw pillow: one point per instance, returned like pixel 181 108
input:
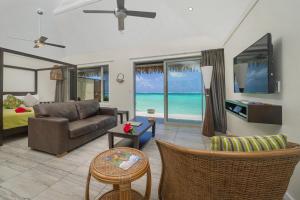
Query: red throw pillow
pixel 20 110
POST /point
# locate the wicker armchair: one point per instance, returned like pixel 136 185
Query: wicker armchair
pixel 211 175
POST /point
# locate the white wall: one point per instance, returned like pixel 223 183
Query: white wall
pixel 46 87
pixel 281 19
pixel 121 95
pixel 15 80
pixel 23 61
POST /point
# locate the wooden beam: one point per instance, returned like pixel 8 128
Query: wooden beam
pixel 20 68
pixel 34 56
pixel 19 93
pixel 50 68
pixel 1 96
pixel 35 81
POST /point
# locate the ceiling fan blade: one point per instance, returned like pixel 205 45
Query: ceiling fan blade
pixel 121 4
pixel 55 45
pixel 42 39
pixel 98 11
pixel 121 23
pixel 141 14
pixel 17 38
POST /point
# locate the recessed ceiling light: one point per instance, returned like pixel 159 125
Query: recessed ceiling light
pixel 190 8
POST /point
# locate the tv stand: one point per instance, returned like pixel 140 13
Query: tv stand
pixel 255 112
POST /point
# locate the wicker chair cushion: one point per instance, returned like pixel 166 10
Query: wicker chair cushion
pixel 249 143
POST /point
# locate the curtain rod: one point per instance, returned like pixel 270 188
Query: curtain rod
pixel 166 55
pixel 96 63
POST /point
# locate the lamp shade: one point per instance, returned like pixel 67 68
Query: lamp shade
pixel 56 74
pixel 207 75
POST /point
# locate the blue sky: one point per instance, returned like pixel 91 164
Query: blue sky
pixel 179 82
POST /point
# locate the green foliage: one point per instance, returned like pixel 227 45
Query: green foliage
pixel 12 102
pixel 105 98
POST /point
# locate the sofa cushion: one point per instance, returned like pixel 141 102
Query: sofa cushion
pixel 64 110
pixel 87 108
pixel 81 127
pixel 102 121
pixel 249 143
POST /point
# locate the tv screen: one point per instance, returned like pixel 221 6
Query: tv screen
pixel 253 71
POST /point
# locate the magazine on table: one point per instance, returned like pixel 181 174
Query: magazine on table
pixel 123 160
pixel 133 123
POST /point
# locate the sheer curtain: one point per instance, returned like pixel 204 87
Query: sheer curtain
pixel 215 58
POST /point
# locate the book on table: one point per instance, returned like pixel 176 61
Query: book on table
pixel 133 123
pixel 123 160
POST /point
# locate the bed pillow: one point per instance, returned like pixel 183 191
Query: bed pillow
pixel 37 96
pixel 11 102
pixel 249 143
pixel 30 100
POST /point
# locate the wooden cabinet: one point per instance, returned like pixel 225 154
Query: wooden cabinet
pixel 255 112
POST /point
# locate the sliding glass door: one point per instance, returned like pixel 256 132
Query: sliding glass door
pixel 172 89
pixel 184 99
pixel 149 89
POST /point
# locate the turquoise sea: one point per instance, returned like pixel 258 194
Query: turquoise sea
pixel 179 103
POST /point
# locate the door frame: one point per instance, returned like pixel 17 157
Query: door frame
pixel 166 90
pixel 164 61
pixel 135 65
pixel 100 68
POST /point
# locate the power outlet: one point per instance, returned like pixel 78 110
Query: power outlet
pixel 278 86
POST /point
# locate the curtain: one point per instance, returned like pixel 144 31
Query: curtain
pixel 81 88
pixel 62 87
pixel 215 58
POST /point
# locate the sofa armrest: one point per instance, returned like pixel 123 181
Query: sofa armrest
pixel 49 134
pixel 108 111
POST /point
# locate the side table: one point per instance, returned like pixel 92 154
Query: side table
pixel 103 171
pixel 121 113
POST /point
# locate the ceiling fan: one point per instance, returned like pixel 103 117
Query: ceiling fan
pixel 121 13
pixel 41 41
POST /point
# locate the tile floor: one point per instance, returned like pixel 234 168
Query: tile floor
pixel 28 174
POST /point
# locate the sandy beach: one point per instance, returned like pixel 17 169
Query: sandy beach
pixel 172 116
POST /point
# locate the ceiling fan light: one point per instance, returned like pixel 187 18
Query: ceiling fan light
pixel 39 44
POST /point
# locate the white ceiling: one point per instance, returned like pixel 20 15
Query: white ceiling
pixel 208 24
pixel 19 19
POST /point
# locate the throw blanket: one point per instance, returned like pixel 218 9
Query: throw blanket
pixel 11 119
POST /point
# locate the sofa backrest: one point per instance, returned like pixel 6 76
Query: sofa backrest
pixel 87 108
pixel 64 110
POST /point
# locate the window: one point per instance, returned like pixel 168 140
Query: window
pixel 93 83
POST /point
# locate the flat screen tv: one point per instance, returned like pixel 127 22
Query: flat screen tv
pixel 253 68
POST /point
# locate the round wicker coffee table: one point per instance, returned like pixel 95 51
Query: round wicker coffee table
pixel 104 171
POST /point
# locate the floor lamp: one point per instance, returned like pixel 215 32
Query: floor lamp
pixel 208 124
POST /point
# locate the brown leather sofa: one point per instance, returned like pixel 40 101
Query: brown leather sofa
pixel 60 127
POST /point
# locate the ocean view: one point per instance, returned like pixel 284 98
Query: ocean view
pixel 185 93
pixel 179 103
